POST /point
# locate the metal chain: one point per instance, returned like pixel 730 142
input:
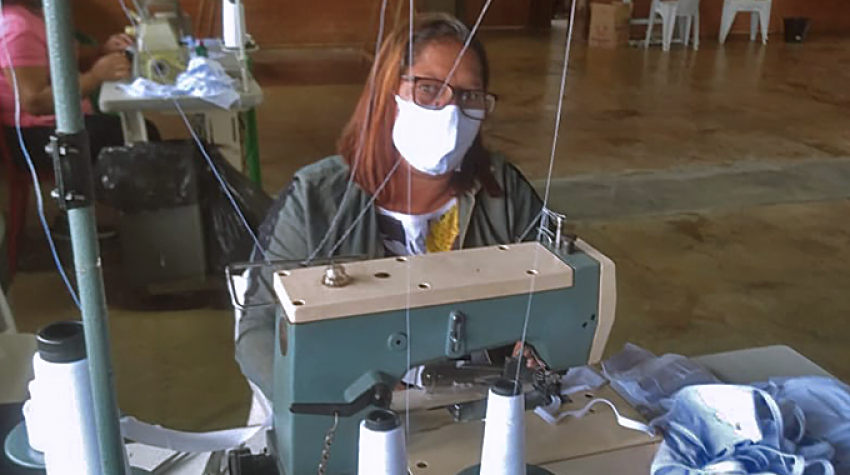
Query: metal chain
pixel 326 450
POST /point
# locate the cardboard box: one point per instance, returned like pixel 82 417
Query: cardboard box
pixel 609 24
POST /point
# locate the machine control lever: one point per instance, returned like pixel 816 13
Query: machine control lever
pixel 380 395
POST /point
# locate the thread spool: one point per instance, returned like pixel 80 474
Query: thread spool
pixel 503 450
pixel 382 449
pixel 62 402
pixel 233 24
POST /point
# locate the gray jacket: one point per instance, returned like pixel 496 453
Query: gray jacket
pixel 302 215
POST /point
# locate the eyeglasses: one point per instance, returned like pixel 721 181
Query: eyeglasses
pixel 435 94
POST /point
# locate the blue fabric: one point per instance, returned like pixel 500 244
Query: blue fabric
pixel 794 426
pixel 785 426
pixel 824 404
pixel 647 381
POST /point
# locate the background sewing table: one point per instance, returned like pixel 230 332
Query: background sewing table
pixel 593 445
pixel 220 127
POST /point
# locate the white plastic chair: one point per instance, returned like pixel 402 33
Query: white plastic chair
pixel 670 12
pixel 759 15
pixel 261 407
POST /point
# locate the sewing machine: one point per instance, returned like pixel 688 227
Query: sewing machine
pixel 344 342
pixel 159 54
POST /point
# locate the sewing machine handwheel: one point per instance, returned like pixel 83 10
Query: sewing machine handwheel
pixel 529 470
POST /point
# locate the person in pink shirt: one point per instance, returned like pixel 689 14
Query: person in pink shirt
pixel 23 47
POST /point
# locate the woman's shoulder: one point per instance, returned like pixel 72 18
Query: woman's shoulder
pixel 328 170
pixel 18 20
pixel 19 15
pixel 506 172
pixel 327 177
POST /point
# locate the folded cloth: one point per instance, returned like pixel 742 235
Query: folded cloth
pixel 646 381
pixel 784 426
pixel 204 78
pixel 736 429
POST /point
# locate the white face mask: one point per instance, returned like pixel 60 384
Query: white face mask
pixel 433 141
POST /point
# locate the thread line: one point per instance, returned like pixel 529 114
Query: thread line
pixel 221 181
pixel 557 132
pixel 407 243
pixel 359 152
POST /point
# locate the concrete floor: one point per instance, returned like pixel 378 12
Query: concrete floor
pixel 717 180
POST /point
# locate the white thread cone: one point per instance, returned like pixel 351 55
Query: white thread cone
pixel 65 415
pixel 382 448
pixel 233 24
pixel 503 452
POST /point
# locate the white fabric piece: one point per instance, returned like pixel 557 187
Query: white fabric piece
pixel 433 141
pixel 204 78
pixel 552 415
pixel 158 436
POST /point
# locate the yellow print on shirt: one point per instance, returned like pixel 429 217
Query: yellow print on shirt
pixel 444 232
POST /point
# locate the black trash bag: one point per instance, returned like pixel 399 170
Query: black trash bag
pixel 227 239
pixel 796 29
pixel 147 177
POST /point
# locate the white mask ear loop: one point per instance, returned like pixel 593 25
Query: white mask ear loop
pixel 828 468
pixel 799 465
pixel 777 416
pixel 549 414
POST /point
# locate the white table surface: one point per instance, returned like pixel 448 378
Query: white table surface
pixel 115 99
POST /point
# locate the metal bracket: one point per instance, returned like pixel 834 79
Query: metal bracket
pixel 553 234
pixel 456 336
pixel 72 170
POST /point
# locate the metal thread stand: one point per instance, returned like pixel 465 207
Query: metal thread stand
pixel 75 192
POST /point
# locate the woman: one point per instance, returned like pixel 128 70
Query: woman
pixel 23 37
pixel 417 150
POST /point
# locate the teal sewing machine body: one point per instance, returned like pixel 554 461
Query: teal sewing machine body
pixel 347 358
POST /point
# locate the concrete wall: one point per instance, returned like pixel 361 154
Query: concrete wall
pixel 354 22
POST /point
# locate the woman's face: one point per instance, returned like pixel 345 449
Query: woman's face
pixel 435 61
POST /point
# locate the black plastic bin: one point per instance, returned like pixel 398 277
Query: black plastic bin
pixel 796 29
pixel 155 187
pixel 177 226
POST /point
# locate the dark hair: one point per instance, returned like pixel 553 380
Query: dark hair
pixel 369 131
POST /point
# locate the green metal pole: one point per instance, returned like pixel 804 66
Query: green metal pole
pixel 78 186
pixel 252 147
